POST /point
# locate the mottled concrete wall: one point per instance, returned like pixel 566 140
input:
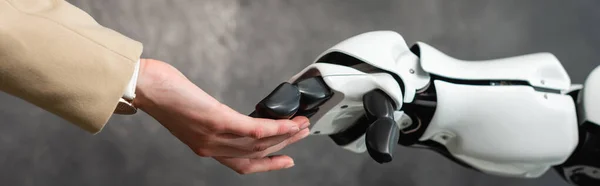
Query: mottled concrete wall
pixel 239 50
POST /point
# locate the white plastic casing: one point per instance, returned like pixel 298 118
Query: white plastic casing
pixel 591 97
pixel 503 130
pixel 388 51
pixel 542 70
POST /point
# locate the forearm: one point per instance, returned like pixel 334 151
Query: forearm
pixel 57 57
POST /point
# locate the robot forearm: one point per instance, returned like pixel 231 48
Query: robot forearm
pixel 517 116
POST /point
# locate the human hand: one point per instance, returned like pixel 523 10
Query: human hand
pixel 210 128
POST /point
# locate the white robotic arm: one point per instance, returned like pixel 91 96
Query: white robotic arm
pixel 517 116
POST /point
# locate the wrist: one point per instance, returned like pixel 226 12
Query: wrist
pixel 142 100
pixel 154 84
pixel 161 87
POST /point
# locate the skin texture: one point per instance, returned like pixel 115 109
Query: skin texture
pixel 212 129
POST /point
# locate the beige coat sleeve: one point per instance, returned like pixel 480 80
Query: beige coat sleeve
pixel 57 57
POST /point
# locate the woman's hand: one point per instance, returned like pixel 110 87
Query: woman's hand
pixel 210 128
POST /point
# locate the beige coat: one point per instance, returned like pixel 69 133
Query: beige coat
pixel 57 57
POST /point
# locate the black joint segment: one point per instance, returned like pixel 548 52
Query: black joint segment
pixel 382 135
pixel 281 103
pixel 314 92
pixel 584 157
pixel 591 127
pixel 381 138
pixel 307 113
pixel 378 105
pixel 254 114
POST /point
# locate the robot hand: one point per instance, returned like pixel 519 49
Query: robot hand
pixel 517 116
pixel 305 97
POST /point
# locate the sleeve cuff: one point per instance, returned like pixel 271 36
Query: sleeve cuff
pixel 129 94
pixel 125 106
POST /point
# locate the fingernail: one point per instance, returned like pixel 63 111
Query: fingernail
pixel 305 125
pixel 289 165
pixel 294 129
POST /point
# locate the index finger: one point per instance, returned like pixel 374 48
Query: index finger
pixel 259 128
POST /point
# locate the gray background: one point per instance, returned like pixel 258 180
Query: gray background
pixel 239 50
